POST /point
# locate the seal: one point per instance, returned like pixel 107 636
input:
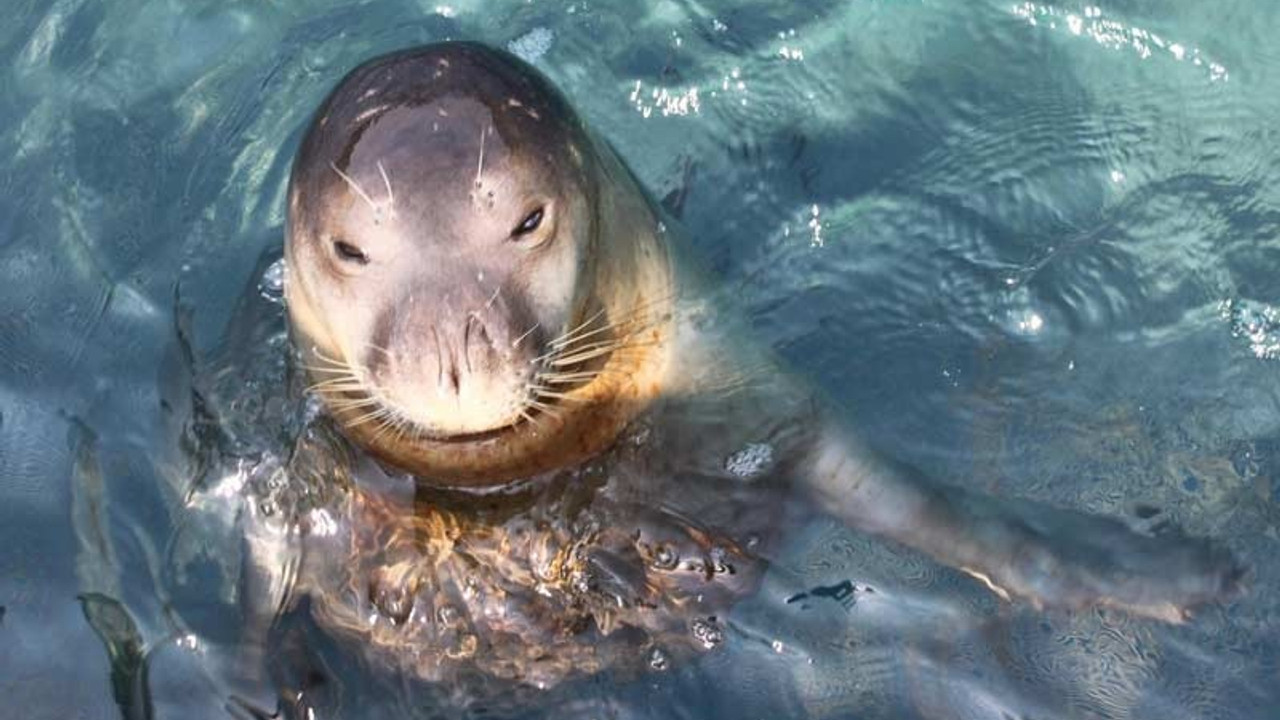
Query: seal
pixel 572 449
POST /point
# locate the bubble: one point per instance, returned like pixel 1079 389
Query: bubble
pixel 447 615
pixel 1255 323
pixel 532 45
pixel 665 558
pixel 707 632
pixel 658 660
pixel 393 601
pixel 271 286
pixel 750 462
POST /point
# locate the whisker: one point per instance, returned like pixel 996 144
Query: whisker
pixel 378 348
pixel 380 412
pixel 579 358
pixel 339 385
pixel 583 347
pixel 480 163
pixel 579 333
pixel 391 196
pixel 335 361
pixel 341 402
pixel 526 334
pixel 329 365
pixel 583 324
pixel 588 355
pixel 356 187
pixel 597 344
pixel 543 392
pixel 340 379
pixel 388 424
pixel 411 429
pixel 634 325
pixel 560 378
pixel 548 409
pixel 355 404
pixel 496 291
pixel 583 336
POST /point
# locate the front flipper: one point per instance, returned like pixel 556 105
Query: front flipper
pixel 1050 557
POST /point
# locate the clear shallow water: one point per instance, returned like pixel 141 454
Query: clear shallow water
pixel 1032 248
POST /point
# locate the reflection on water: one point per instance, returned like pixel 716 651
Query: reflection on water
pixel 1032 248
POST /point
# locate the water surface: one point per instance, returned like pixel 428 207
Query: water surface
pixel 1032 248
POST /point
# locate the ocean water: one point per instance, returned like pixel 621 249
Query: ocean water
pixel 1031 248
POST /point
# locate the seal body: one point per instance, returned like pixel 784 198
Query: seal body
pixel 567 453
pixel 552 494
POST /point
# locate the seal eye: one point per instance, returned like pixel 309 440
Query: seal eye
pixel 529 224
pixel 350 253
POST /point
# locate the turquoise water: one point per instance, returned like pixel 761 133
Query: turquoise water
pixel 1032 248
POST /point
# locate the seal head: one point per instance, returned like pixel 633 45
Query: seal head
pixel 463 290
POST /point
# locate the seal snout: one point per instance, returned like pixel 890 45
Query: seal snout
pixel 452 365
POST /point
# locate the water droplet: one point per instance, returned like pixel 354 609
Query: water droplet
pixel 271 286
pixel 665 558
pixel 640 437
pixel 707 632
pixel 532 45
pixel 719 565
pixel 392 601
pixel 1256 323
pixel 446 615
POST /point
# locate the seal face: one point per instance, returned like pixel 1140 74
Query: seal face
pixel 459 302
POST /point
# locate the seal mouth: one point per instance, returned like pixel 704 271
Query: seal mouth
pixel 532 409
pixel 475 437
pixel 576 358
pixel 403 424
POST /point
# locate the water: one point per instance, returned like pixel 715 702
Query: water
pixel 1031 248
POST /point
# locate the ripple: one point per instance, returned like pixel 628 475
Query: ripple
pixel 1117 35
pixel 1033 245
